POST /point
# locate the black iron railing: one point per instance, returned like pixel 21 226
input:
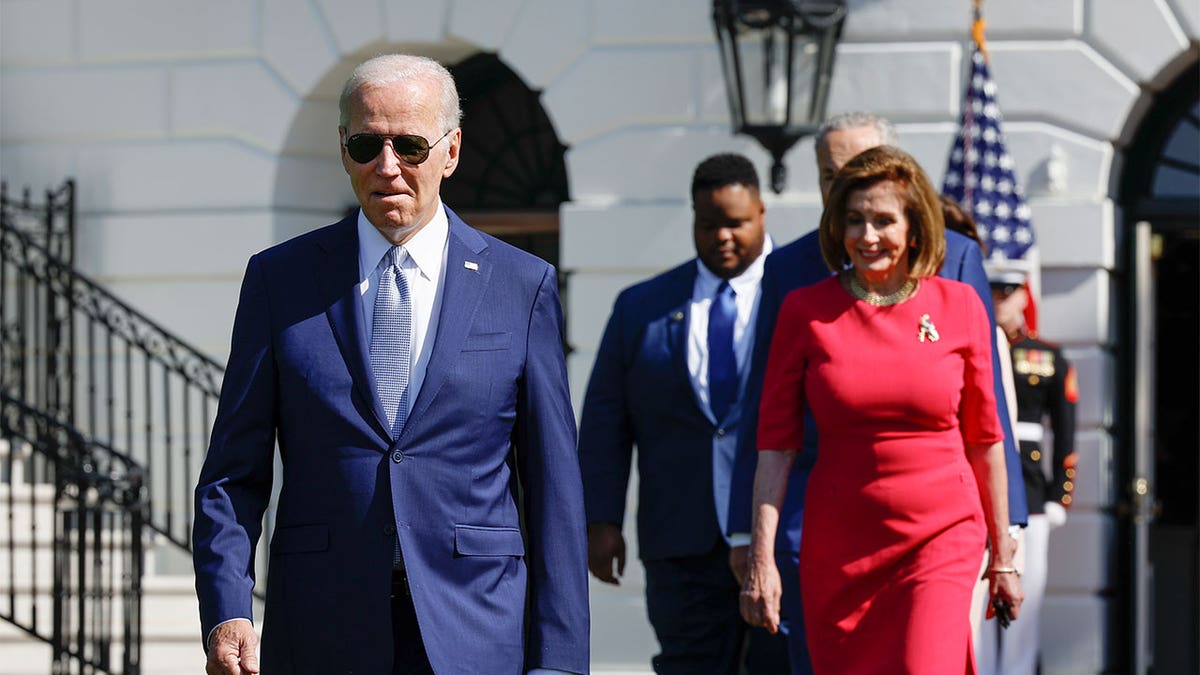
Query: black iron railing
pixel 50 223
pixel 71 349
pixel 82 373
pixel 70 542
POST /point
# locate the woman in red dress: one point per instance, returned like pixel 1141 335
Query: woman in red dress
pixel 909 483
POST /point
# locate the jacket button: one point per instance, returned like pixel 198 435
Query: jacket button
pixel 389 529
pixel 397 456
pixel 720 433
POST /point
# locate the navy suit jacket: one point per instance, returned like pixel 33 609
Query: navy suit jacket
pixel 494 404
pixel 640 393
pixel 800 264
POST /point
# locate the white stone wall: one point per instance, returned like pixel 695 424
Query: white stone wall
pixel 201 132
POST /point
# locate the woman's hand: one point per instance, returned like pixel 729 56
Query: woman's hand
pixel 761 591
pixel 987 461
pixel 759 599
pixel 1004 579
pixel 1005 588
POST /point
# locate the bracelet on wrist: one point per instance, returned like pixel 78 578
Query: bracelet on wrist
pixel 1005 570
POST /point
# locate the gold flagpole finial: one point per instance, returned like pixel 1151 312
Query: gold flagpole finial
pixel 978 28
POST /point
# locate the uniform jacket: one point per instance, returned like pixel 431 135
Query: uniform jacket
pixel 640 394
pixel 1046 389
pixel 800 264
pixel 494 402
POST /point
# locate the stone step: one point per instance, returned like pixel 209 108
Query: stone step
pixel 170 631
pixel 170 616
pixel 21 608
pixel 170 609
pixel 26 569
pixel 171 635
pixel 42 493
pixel 169 606
pixel 25 655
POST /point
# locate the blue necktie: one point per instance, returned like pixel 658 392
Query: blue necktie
pixel 391 340
pixel 722 364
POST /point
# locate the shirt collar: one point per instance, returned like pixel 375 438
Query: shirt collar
pixel 707 282
pixel 425 248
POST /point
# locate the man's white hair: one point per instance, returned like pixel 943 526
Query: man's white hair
pixel 390 68
pixel 853 120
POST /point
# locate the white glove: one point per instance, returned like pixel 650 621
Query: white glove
pixel 1056 515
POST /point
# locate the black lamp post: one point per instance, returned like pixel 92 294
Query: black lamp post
pixel 777 56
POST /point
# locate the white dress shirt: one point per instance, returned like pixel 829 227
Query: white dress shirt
pixel 746 287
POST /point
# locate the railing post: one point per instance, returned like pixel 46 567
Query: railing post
pixel 135 501
pixel 62 572
pixel 97 554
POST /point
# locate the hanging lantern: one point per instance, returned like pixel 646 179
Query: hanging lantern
pixel 777 57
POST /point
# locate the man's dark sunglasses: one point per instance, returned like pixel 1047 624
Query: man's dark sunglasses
pixel 1004 289
pixel 364 148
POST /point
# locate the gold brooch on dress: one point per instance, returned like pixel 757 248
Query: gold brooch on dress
pixel 927 330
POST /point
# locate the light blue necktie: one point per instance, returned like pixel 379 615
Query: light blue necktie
pixel 391 340
pixel 722 363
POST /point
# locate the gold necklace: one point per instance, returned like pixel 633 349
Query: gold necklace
pixel 872 298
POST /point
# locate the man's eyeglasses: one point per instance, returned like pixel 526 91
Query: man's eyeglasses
pixel 364 148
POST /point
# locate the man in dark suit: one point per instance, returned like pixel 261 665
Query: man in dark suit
pixel 790 267
pixel 668 378
pixel 411 369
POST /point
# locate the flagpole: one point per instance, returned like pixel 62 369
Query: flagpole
pixel 1033 284
pixel 979 28
pixel 980 173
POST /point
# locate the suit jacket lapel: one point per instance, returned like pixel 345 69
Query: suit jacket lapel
pixel 337 273
pixel 466 276
pixel 679 325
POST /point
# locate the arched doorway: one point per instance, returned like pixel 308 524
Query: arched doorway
pixel 512 176
pixel 1160 468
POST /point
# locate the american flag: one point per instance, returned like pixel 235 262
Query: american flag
pixel 980 176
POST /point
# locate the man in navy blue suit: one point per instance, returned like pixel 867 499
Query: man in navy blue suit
pixel 668 378
pixel 410 369
pixel 800 264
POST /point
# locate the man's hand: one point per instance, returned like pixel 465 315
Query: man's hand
pixel 739 561
pixel 761 593
pixel 606 544
pixel 233 649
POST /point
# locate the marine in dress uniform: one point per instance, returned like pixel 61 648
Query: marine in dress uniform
pixel 1046 389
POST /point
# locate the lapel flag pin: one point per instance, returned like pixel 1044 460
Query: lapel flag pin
pixel 473 266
